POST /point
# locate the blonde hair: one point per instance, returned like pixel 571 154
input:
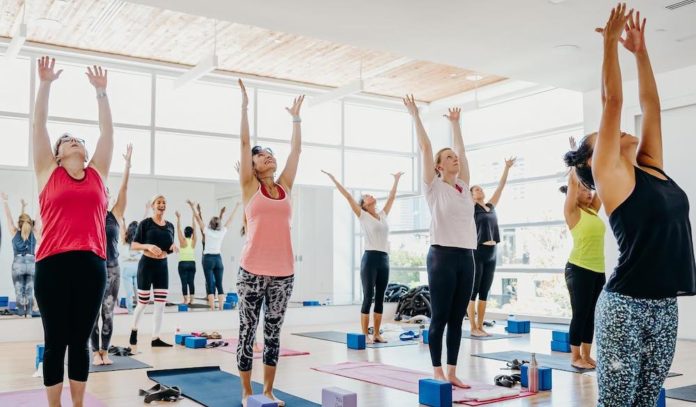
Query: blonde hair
pixel 438 159
pixel 25 225
pixel 156 197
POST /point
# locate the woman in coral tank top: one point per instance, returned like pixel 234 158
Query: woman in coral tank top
pixel 71 260
pixel 266 272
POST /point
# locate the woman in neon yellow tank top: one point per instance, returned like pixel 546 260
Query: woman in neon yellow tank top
pixel 584 272
pixel 187 259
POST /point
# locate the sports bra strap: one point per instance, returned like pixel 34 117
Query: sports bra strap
pixel 658 170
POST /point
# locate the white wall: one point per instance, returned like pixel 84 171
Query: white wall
pixel 678 97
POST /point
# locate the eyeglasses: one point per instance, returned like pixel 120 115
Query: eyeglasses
pixel 71 139
pixel 258 150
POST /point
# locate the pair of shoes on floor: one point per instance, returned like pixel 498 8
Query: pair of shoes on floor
pixel 160 392
pixel 156 343
pixel 120 351
pixel 507 380
pixel 212 335
pixel 217 344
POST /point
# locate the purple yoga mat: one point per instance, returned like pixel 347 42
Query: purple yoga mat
pixel 407 380
pixel 37 398
pixel 232 348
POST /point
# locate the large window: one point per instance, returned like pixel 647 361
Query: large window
pixel 379 129
pixel 15 141
pixel 373 171
pixel 15 85
pixel 182 155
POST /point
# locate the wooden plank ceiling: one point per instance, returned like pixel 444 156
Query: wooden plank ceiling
pixel 163 35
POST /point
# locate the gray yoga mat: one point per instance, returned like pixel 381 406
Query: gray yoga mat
pixel 340 337
pixel 467 335
pixel 552 361
pixel 120 363
pixel 686 393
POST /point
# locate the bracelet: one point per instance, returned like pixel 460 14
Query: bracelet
pixel 101 93
pixel 296 119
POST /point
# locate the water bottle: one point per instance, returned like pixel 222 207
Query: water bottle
pixel 533 375
pixel 511 317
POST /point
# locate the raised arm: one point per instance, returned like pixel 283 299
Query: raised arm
pixel 194 236
pixel 44 159
pixel 246 171
pixel 120 206
pixel 101 160
pixel 453 117
pixel 503 180
pixel 231 217
pixel 392 193
pixel 423 140
pixel 196 215
pixel 179 233
pixel 287 177
pixel 8 214
pixel 606 157
pixel 571 212
pixel 351 201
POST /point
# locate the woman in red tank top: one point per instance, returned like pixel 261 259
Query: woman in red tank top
pixel 266 272
pixel 71 268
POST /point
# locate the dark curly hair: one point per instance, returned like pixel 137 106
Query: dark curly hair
pixel 130 232
pixel 188 232
pixel 578 159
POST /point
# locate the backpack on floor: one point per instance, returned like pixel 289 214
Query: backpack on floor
pixel 414 302
pixel 394 292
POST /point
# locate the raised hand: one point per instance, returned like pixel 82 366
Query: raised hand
pixel 328 173
pixel 190 203
pixel 4 196
pixel 97 76
pixel 236 166
pixel 129 153
pixel 397 175
pixel 453 114
pixel 509 162
pixel 47 72
pixel 635 34
pixel 573 143
pixel 616 23
pixel 296 105
pixel 178 215
pixel 245 97
pixel 410 104
pixel 222 211
pixel 24 204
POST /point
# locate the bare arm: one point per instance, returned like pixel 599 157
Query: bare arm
pixel 105 145
pixel 231 217
pixel 44 160
pixel 351 201
pixel 503 180
pixel 8 214
pixel 196 215
pixel 392 193
pixel 247 179
pixel 458 141
pixel 120 206
pixel 287 177
pixel 571 212
pixel 179 233
pixel 423 140
pixel 194 236
pixel 148 206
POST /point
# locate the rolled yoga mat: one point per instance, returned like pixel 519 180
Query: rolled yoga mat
pixel 212 387
pixel 120 363
pixel 686 393
pixel 37 398
pixel 340 337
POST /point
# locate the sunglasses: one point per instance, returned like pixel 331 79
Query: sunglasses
pixel 258 150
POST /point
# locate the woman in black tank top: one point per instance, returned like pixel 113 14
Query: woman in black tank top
pixel 636 321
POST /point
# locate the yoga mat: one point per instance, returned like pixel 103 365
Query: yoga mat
pixel 686 393
pixel 120 363
pixel 212 387
pixel 467 335
pixel 552 361
pixel 232 348
pixel 407 380
pixel 670 374
pixel 120 311
pixel 37 398
pixel 340 337
pixel 200 306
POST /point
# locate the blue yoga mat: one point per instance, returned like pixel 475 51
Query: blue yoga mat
pixel 212 387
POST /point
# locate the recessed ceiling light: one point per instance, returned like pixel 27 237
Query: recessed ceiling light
pixel 48 23
pixel 473 77
pixel 565 49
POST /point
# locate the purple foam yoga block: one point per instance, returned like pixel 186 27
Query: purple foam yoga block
pixel 337 397
pixel 259 400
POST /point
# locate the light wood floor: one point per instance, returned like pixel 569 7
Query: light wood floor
pixel 295 376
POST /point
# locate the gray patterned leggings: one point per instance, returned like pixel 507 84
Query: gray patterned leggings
pixel 23 279
pixel 253 291
pixel 113 280
pixel 635 347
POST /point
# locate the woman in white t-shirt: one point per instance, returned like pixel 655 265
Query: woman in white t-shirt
pixel 450 260
pixel 374 267
pixel 213 268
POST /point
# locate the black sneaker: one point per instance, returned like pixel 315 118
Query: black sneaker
pixel 158 343
pixel 134 337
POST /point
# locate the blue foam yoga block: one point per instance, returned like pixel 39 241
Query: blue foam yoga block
pixel 195 342
pixel 355 341
pixel 232 296
pixel 434 393
pixel 544 377
pixel 338 397
pixel 40 348
pixel 228 305
pixel 661 399
pixel 12 305
pixel 182 307
pixel 560 336
pixel 122 302
pixel 560 346
pixel 259 400
pixel 518 327
pixel 426 336
pixel 180 339
pixel 311 303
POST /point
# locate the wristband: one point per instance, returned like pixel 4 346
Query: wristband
pixel 296 119
pixel 101 93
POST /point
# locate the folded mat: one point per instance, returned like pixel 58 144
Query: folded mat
pixel 340 337
pixel 232 348
pixel 686 393
pixel 557 362
pixel 212 387
pixel 37 398
pixel 407 380
pixel 120 363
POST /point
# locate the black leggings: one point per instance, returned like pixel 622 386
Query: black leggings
pixel 374 274
pixel 187 272
pixel 69 288
pixel 485 259
pixel 584 287
pixel 213 269
pixel 450 279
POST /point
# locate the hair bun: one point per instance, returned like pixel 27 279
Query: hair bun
pixel 563 189
pixel 570 158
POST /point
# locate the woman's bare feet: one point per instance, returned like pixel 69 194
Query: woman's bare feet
pixel 244 400
pixel 270 395
pixel 581 364
pixel 97 359
pixel 589 360
pixel 369 340
pixel 379 339
pixel 458 383
pixel 484 332
pixel 478 333
pixel 105 358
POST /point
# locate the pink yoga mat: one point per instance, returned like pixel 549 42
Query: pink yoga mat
pixel 119 311
pixel 406 380
pixel 232 348
pixel 37 398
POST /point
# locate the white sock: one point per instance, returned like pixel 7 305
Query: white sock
pixel 157 319
pixel 138 313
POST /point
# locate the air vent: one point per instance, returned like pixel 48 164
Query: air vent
pixel 679 4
